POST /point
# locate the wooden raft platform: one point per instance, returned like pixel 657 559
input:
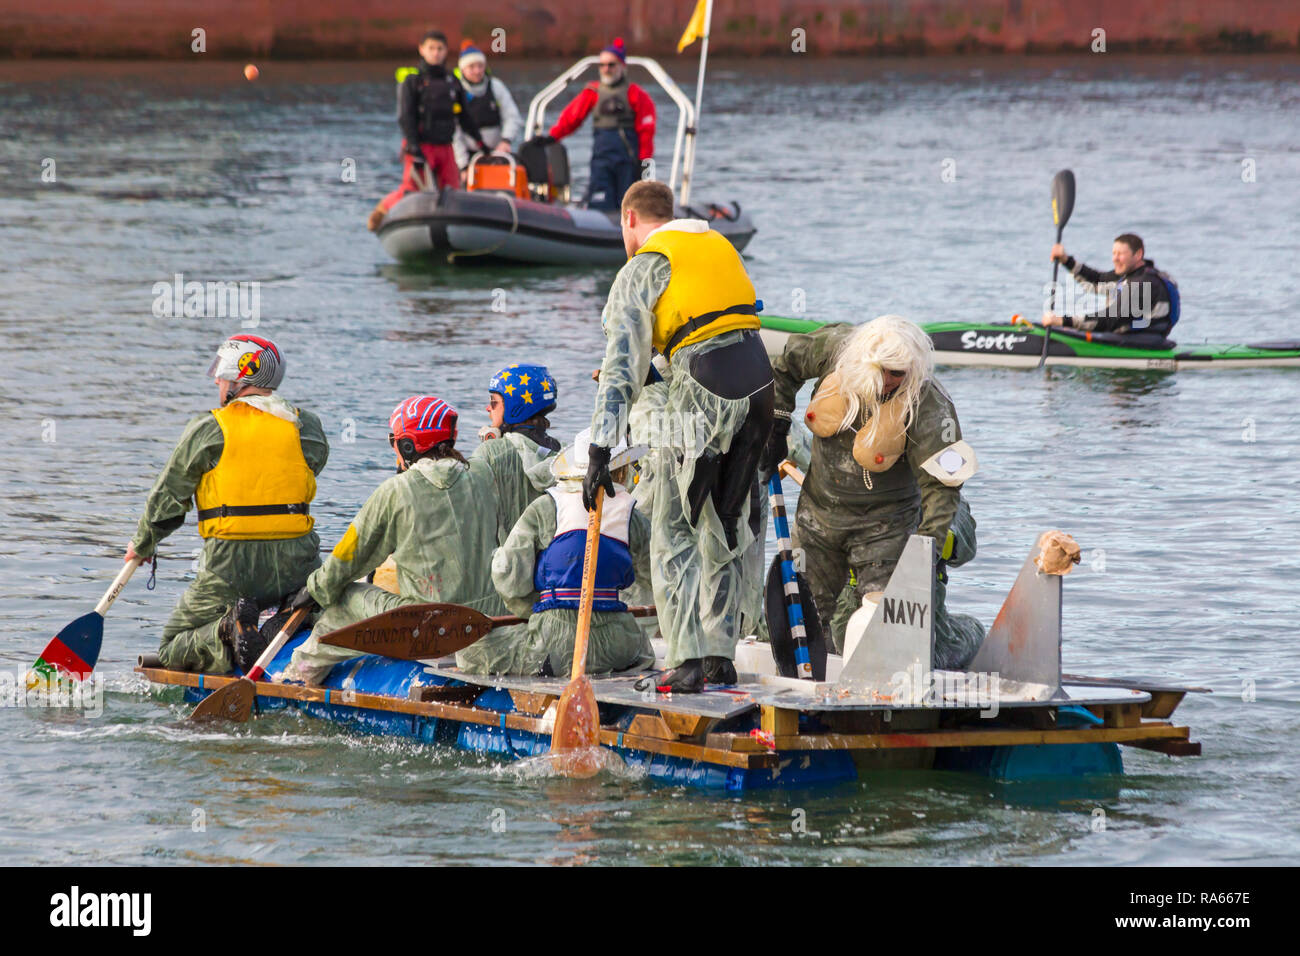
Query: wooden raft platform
pixel 696 727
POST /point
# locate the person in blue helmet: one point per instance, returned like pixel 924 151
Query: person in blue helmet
pixel 519 398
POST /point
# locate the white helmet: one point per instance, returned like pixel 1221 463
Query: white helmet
pixel 248 361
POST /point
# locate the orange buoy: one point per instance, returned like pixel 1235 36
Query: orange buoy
pixel 251 72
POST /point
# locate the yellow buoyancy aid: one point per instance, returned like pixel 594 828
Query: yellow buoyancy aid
pixel 709 292
pixel 262 485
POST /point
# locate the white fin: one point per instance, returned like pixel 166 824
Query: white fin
pixel 900 637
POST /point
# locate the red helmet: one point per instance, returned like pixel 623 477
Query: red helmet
pixel 424 421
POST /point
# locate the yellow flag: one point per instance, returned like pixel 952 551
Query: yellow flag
pixel 694 29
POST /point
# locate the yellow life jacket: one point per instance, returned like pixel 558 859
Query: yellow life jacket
pixel 262 486
pixel 709 292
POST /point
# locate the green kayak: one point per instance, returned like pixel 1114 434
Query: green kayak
pixel 1019 346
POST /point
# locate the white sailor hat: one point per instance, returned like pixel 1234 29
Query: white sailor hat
pixel 571 462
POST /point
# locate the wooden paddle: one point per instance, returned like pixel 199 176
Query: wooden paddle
pixel 575 739
pixel 416 632
pixel 235 700
pixel 421 632
pixel 75 649
pixel 1062 206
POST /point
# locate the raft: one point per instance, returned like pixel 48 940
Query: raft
pixel 1013 717
pixel 1010 345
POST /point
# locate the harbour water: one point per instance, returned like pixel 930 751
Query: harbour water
pixel 914 187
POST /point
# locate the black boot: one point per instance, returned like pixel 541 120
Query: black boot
pixel 686 678
pixel 238 631
pixel 719 670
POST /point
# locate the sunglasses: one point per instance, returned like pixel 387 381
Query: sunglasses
pixel 608 65
pixel 892 374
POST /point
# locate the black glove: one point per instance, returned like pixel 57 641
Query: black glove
pixel 776 450
pixel 543 140
pixel 417 156
pixel 598 476
pixel 300 599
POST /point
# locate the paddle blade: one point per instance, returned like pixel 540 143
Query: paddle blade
pixel 233 702
pixel 1062 198
pixel 73 651
pixel 414 633
pixel 778 625
pixel 577 727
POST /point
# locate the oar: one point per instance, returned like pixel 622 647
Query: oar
pixel 789 583
pixel 235 700
pixel 75 649
pixel 421 632
pixel 782 651
pixel 1062 206
pixel 575 740
pixel 414 632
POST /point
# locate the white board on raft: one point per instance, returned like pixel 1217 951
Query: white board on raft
pixel 900 638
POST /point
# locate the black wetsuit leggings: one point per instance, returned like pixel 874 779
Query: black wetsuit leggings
pixel 734 371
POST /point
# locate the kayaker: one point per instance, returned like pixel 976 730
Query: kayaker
pixel 1139 297
pixel 878 402
pixel 519 398
pixel 431 103
pixel 490 105
pixel 684 292
pixel 623 128
pixel 438 517
pixel 538 572
pixel 250 465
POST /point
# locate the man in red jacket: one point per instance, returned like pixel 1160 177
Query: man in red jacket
pixel 623 128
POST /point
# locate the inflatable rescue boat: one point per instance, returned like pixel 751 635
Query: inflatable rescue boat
pixel 518 208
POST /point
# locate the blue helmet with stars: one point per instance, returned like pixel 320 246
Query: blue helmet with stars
pixel 525 390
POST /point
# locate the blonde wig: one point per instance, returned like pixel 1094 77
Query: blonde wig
pixel 888 342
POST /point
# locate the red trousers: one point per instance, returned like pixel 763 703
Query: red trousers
pixel 439 160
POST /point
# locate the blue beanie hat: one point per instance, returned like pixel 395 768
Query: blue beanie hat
pixel 617 49
pixel 526 390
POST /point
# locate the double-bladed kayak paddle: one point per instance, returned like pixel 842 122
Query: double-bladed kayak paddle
pixel 1062 206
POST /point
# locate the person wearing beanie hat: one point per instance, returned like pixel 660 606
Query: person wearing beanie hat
pixel 538 571
pixel 439 517
pixel 623 128
pixel 489 103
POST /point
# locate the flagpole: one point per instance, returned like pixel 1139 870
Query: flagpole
pixel 688 168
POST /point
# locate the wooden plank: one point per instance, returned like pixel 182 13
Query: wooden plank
pixel 687 725
pixel 779 721
pixel 463 694
pixel 1162 704
pixel 527 702
pixel 1174 748
pixel 465 714
pixel 651 725
pixel 690 751
pixel 1122 715
pixel 969 738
